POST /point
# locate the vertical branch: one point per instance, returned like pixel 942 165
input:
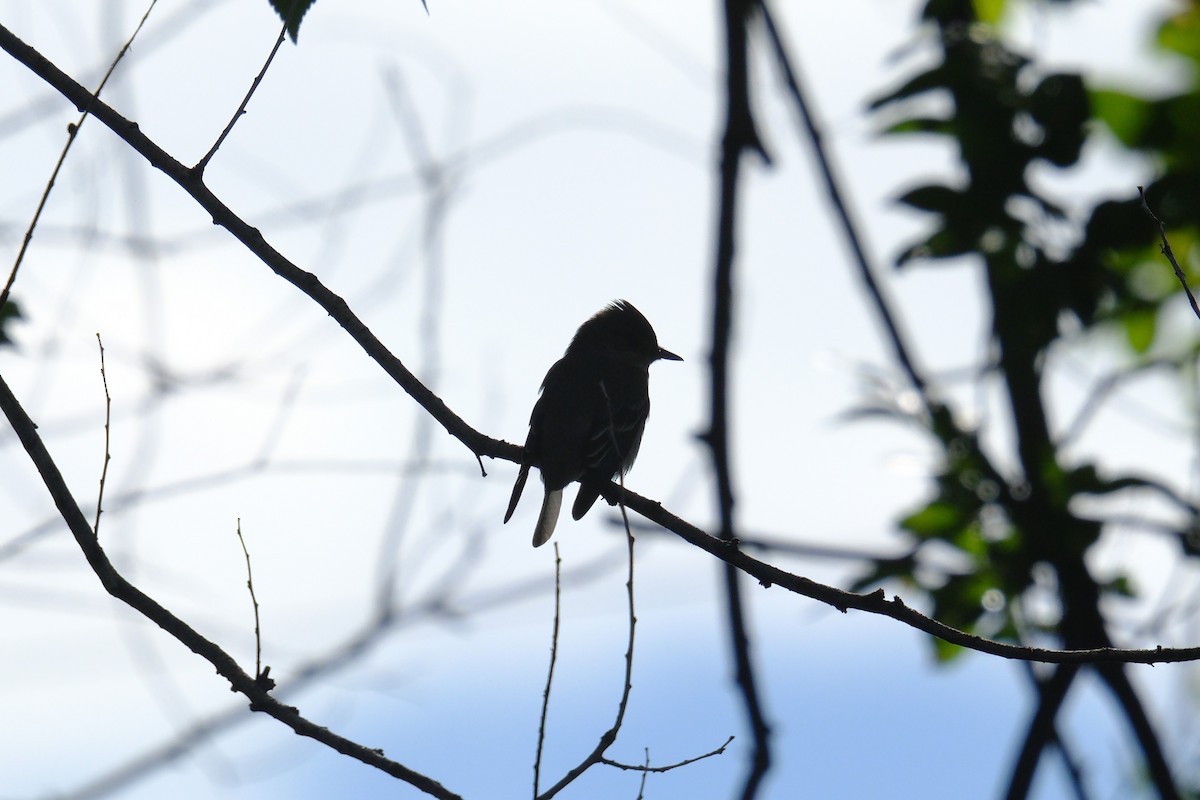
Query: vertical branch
pixel 107 428
pixel 739 136
pixel 537 762
pixel 259 675
pixel 609 736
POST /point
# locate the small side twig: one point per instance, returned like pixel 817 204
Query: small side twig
pixel 107 422
pixel 537 763
pixel 261 676
pixel 668 767
pixel 203 163
pixel 1165 246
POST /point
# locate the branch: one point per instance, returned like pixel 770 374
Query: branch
pixel 609 736
pixel 739 137
pixel 849 229
pixel 877 603
pixel 1165 246
pixel 203 163
pixel 117 586
pixel 541 736
pixel 482 445
pixel 192 182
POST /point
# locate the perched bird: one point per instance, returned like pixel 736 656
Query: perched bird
pixel 587 425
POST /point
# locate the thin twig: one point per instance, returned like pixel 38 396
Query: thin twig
pixel 1165 246
pixel 202 164
pixel 260 676
pixel 645 774
pixel 107 423
pixel 668 767
pixel 72 132
pixel 537 762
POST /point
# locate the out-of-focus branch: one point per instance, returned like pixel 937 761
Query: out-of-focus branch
pixel 193 183
pixel 72 132
pixel 842 210
pixel 739 137
pixel 117 586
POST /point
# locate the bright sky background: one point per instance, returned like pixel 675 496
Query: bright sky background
pixel 577 141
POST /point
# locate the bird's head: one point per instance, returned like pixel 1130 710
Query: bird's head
pixel 620 331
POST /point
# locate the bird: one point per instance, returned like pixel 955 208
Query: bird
pixel 587 424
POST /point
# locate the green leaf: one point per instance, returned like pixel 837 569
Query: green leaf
pixel 1181 33
pixel 921 125
pixel 989 11
pixel 1120 585
pixel 945 652
pixel 936 519
pixel 1140 326
pixel 1124 114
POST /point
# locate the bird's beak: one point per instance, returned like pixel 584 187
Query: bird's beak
pixel 667 355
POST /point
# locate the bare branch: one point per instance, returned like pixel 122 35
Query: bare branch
pixel 107 434
pixel 1165 246
pixel 541 738
pixel 203 163
pixel 120 588
pixel 261 676
pixel 739 137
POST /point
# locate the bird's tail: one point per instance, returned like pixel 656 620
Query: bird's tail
pixel 548 518
pixel 518 487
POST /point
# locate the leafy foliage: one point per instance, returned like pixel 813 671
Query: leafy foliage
pixel 10 312
pixel 979 540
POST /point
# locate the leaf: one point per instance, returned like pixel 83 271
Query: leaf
pixel 936 198
pixel 945 652
pixel 989 11
pixel 919 84
pixel 1140 326
pixel 10 313
pixel 1181 33
pixel 292 12
pixel 936 519
pixel 921 125
pixel 946 242
pixel 1124 114
pixel 1061 106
